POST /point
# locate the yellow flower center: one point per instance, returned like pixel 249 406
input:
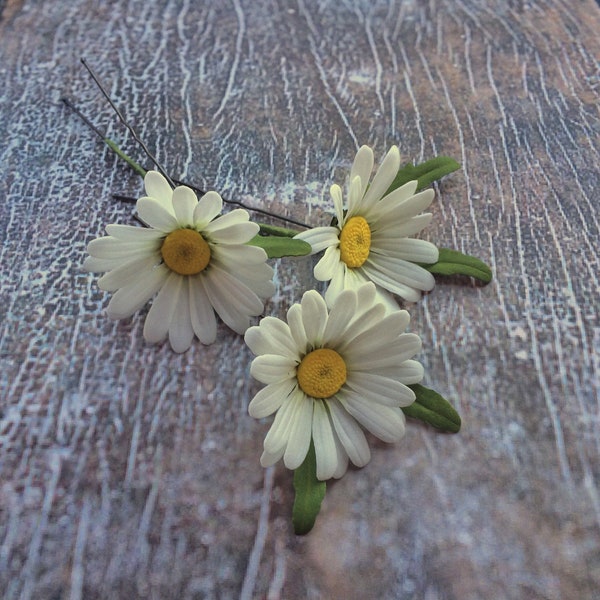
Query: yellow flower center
pixel 321 373
pixel 355 242
pixel 185 251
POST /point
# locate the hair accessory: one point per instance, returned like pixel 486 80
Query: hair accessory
pixel 339 365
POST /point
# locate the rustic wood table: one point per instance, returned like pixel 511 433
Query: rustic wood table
pixel 129 471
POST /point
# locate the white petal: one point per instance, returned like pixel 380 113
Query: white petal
pixel 277 437
pixel 126 252
pixel 270 398
pixel 340 316
pixel 273 336
pixel 409 344
pixel 181 332
pixel 163 307
pixel 257 341
pixel 383 179
pixel 354 279
pixel 133 296
pixel 408 372
pixel 338 202
pixel 158 187
pixel 233 301
pixel 405 319
pixel 329 263
pixel 395 353
pixel 262 286
pixel 279 433
pixel 402 229
pixel 379 335
pixel 364 320
pixel 127 273
pixel 100 265
pixel 238 233
pixel 387 271
pixel 393 199
pixel 402 211
pixel 366 296
pixel 272 368
pixel 397 196
pixel 354 199
pixel 294 319
pixel 110 247
pixel 314 316
pixel 248 267
pixel 384 390
pixel 324 440
pixel 240 256
pixel 385 422
pixel 387 299
pixel 202 314
pixel 234 217
pixel 184 203
pixel 409 249
pixel 406 292
pixel 362 166
pixel 320 238
pixel 342 458
pixel 268 459
pixel 336 285
pixel 350 434
pixel 208 207
pixel 300 434
pixel 154 214
pixel 129 233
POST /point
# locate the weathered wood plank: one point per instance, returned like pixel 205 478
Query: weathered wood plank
pixel 129 471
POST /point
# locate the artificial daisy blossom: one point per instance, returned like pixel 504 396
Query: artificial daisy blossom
pixel 327 373
pixel 370 241
pixel 195 261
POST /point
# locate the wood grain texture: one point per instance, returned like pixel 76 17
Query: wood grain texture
pixel 127 471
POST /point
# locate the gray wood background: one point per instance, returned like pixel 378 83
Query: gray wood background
pixel 127 471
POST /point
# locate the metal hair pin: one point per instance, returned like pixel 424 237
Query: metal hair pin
pixel 138 168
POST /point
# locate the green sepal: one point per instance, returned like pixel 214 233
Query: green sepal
pixel 433 408
pixel 309 493
pixel 425 173
pixel 453 262
pixel 278 246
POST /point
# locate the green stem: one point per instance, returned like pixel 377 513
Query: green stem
pixel 277 231
pixel 134 165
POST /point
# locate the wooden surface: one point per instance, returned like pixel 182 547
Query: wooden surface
pixel 127 471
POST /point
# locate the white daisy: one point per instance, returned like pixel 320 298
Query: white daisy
pixel 327 371
pixel 196 261
pixel 370 241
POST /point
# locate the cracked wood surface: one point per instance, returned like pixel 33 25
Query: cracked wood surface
pixel 127 471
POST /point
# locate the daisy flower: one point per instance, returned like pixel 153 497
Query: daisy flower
pixel 195 261
pixel 370 241
pixel 327 373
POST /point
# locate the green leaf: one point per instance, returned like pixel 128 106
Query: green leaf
pixel 309 493
pixel 433 408
pixel 277 246
pixel 453 262
pixel 425 173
